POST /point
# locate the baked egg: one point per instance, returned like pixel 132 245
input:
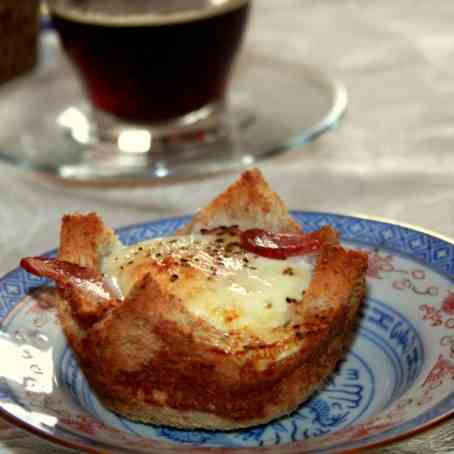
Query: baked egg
pixel 218 280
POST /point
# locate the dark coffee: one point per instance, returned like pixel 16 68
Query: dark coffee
pixel 152 67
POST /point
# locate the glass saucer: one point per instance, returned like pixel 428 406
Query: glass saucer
pixel 44 123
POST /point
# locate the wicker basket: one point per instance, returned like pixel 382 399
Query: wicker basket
pixel 19 26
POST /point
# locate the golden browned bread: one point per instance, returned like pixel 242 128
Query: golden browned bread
pixel 249 202
pixel 166 342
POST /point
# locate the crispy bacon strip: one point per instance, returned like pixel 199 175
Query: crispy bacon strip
pixel 83 288
pixel 284 245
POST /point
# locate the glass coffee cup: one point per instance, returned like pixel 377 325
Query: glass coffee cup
pixel 144 90
pixel 151 69
pixel 152 62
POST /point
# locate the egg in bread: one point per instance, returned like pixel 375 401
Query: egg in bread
pixel 198 330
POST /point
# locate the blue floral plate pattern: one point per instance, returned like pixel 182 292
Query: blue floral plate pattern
pixel 397 379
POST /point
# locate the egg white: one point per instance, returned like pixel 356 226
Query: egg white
pixel 232 291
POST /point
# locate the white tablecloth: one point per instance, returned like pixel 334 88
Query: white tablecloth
pixel 392 156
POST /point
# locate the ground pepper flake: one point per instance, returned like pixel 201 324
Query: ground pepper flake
pixel 291 300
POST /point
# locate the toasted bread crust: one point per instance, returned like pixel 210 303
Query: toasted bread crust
pixel 84 239
pixel 282 399
pixel 249 202
pixel 152 360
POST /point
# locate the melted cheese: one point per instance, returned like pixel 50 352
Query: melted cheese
pixel 217 280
